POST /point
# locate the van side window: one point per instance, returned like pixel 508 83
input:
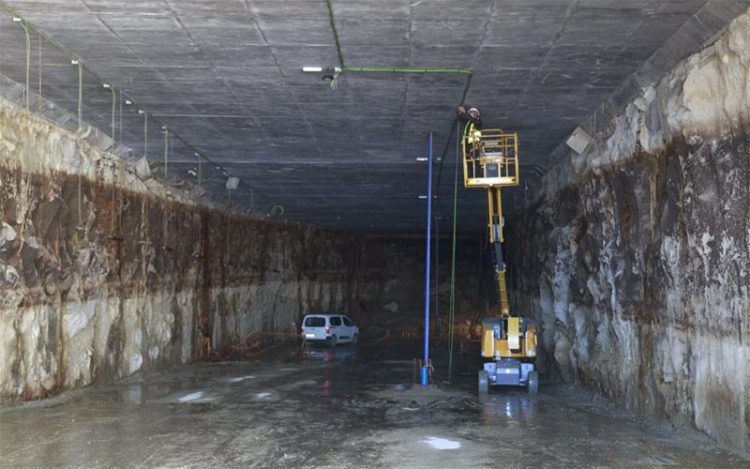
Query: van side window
pixel 347 322
pixel 335 321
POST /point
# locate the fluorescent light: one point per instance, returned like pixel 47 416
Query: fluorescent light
pixel 422 158
pixel 311 69
pixel 127 101
pixel 16 19
pixel 422 196
pixel 106 85
pixel 74 62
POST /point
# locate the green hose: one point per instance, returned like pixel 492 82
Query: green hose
pixel 465 71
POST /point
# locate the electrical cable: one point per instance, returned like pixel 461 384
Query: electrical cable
pixel 80 95
pixel 39 106
pixel 166 152
pixel 145 134
pixel 332 19
pixel 28 62
pixel 114 109
pixel 452 311
pixel 447 142
pixel 465 71
pixel 12 11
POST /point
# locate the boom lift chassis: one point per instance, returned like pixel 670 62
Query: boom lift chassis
pixel 509 342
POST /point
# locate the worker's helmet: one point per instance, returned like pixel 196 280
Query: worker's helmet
pixel 474 111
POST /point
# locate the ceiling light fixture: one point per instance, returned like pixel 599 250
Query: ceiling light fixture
pixel 106 85
pixel 421 158
pixel 16 19
pixel 312 69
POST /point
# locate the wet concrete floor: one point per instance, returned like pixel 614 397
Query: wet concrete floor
pixel 348 407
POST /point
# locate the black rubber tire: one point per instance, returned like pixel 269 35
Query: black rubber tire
pixel 534 382
pixel 483 383
pixel 332 343
pixel 355 339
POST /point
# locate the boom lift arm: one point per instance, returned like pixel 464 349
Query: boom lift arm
pixel 508 342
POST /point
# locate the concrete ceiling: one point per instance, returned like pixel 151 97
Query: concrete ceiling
pixel 226 75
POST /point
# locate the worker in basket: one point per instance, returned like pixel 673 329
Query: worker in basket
pixel 473 135
pixel 472 121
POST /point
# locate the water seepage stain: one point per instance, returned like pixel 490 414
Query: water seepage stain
pixel 442 443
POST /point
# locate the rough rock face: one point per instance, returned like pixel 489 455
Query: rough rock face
pixel 103 274
pixel 637 262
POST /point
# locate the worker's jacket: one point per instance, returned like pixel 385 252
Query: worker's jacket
pixel 472 132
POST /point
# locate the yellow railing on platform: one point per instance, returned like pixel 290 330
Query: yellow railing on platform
pixel 491 160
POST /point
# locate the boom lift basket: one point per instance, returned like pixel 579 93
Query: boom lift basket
pixel 491 160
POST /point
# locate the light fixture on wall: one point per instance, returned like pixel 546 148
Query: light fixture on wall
pixel 329 73
pixel 578 140
pixel 233 183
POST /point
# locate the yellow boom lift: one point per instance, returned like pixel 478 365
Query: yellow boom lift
pixel 509 342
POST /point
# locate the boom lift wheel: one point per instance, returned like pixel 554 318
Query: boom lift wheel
pixel 483 383
pixel 534 382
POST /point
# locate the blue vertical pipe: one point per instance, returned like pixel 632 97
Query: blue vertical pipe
pixel 425 363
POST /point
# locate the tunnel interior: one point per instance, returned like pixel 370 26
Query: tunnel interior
pixel 184 182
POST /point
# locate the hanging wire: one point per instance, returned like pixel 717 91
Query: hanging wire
pixel 114 107
pixel 28 62
pixel 200 169
pixel 80 93
pixel 40 73
pixel 166 151
pixel 452 311
pixel 145 133
pixel 120 101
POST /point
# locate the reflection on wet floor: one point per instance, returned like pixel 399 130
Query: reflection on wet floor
pixel 504 408
pixel 343 407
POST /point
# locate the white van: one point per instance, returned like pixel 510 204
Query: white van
pixel 330 329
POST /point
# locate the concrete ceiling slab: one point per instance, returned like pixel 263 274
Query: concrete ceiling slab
pixel 226 75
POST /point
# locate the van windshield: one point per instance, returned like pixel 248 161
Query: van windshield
pixel 315 322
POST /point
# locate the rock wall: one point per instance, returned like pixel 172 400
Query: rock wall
pixel 636 257
pixel 103 274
